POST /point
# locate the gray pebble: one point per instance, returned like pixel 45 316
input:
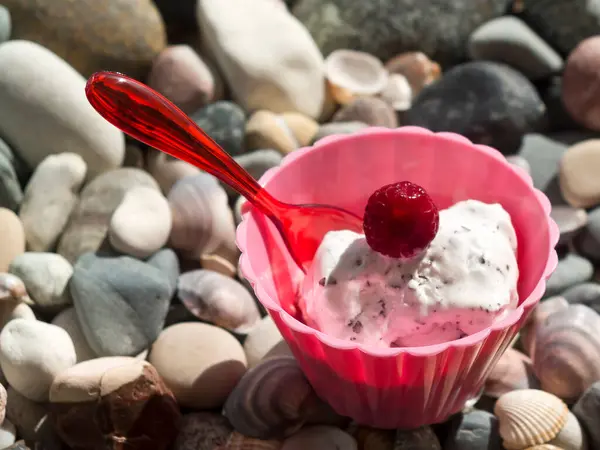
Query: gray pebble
pixel 476 430
pixel 509 40
pixel 587 241
pixel 570 271
pixel 587 410
pixel 11 194
pixel 5 24
pixel 225 122
pixel 256 163
pixel 167 262
pixel 333 128
pixel 585 293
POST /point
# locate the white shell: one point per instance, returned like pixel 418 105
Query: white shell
pixel 397 92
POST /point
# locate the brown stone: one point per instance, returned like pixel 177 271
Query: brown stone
pixel 114 403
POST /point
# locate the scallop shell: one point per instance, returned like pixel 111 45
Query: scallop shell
pixel 12 289
pixel 529 417
pixel 537 317
pixel 374 439
pixel 397 92
pixel 320 438
pixel 418 69
pixel 238 441
pixel 272 400
pixel 202 220
pixel 567 351
pixel 352 74
pixel 512 371
pixel 370 110
pixel 218 299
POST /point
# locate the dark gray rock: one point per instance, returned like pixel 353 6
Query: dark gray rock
pixel 385 28
pixel 570 271
pixel 558 117
pixel 476 430
pixel 225 122
pixel 587 241
pixel 586 293
pixel 509 40
pixel 587 410
pixel 121 303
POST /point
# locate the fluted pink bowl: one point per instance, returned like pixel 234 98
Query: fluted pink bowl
pixel 396 387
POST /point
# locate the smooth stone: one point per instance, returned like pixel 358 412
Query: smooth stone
pixel 46 276
pixel 167 263
pixel 256 163
pixel 587 241
pixel 141 224
pixel 167 170
pixel 68 321
pixel 585 293
pixel 8 434
pixel 579 168
pixel 218 264
pixel 56 182
pixel 487 102
pixel 263 337
pixel 587 411
pixel 320 437
pixel 475 430
pixel 224 122
pixel 520 162
pixel 200 363
pixel 22 170
pixel 19 445
pixel 181 75
pixel 12 238
pixel 12 290
pixel 265 69
pixel 121 303
pixel 11 194
pixel 39 89
pixel 418 69
pixel 202 431
pixel 338 128
pixel 283 132
pixel 11 311
pixel 92 36
pixel 89 223
pixel 570 271
pixel 509 40
pixel 179 15
pixel 372 111
pixel 384 29
pixel 25 414
pixel 569 220
pixel 129 391
pixel 32 353
pixel 5 24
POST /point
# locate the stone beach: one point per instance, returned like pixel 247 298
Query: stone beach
pixel 124 321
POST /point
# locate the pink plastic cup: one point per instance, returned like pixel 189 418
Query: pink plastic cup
pixel 396 387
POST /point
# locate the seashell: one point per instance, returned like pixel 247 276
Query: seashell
pixel 374 439
pixel 217 263
pixel 12 289
pixel 283 132
pixel 537 317
pixel 397 92
pixel 418 69
pixel 569 220
pixel 272 400
pixel 567 351
pixel 530 417
pixel 353 74
pixel 512 371
pixel 238 441
pixel 218 299
pixel 202 220
pixel 370 110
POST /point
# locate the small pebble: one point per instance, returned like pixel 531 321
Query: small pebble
pixel 141 224
pixel 397 92
pixel 587 410
pixel 373 111
pixel 284 133
pixel 335 128
pixel 261 340
pixel 10 311
pixel 202 431
pixel 570 271
pixel 520 162
pixel 224 122
pixel 12 238
pixel 585 293
pixel 256 163
pixel 579 169
pixel 476 430
pixel 569 220
pixel 418 69
pixel 32 353
pixel 217 263
pixel 200 363
pixel 5 24
pixel 422 438
pixel 68 321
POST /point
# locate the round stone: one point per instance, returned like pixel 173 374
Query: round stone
pixel 224 122
pixel 263 337
pixel 68 321
pixel 579 168
pixel 585 293
pixel 587 410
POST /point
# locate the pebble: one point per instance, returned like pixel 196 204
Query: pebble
pixel 181 75
pixel 12 238
pixel 121 303
pixel 11 194
pixel 224 122
pixel 5 24
pixel 32 353
pixel 509 40
pixel 89 223
pixel 265 69
pixel 387 28
pixel 202 431
pixel 141 224
pixel 8 434
pixel 68 321
pixel 487 102
pixel 338 128
pixel 475 430
pixel 41 90
pixel 25 414
pixel 256 163
pixel 373 111
pixel 285 132
pixel 320 437
pixel 133 156
pixel 397 92
pixel 587 241
pixel 116 35
pixel 422 438
pixel 587 410
pixel 167 170
pixel 200 363
pixel 570 221
pixel 261 340
pixel 579 168
pixel 585 293
pixel 418 69
pixel 129 391
pixel 56 182
pixel 570 271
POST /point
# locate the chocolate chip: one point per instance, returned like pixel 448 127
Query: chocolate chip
pixel 482 260
pixel 357 327
pixel 331 281
pixel 383 308
pixel 322 282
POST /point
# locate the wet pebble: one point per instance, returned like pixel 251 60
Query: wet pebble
pixel 579 167
pixel 475 430
pixel 224 122
pixel 372 111
pixel 569 220
pixel 571 270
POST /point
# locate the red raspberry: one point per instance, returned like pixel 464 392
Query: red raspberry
pixel 400 220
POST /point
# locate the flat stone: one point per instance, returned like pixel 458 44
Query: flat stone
pixel 570 271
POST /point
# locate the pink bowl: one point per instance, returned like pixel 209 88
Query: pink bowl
pixel 396 387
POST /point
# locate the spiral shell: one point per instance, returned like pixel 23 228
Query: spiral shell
pixel 567 351
pixel 272 400
pixel 12 289
pixel 512 371
pixel 537 317
pixel 238 441
pixel 530 417
pixel 218 299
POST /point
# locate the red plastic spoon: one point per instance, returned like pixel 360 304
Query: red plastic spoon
pixel 150 118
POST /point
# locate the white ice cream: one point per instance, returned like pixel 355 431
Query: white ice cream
pixel 459 285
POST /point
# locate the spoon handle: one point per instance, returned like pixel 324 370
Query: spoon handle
pixel 149 117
